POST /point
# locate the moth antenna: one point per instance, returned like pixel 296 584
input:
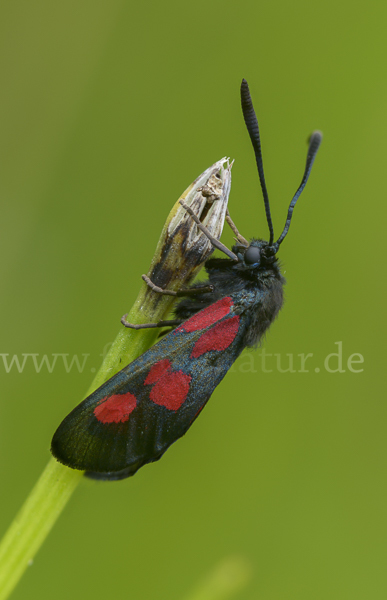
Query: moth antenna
pixel 314 144
pixel 253 129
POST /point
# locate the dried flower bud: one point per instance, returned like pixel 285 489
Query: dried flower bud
pixel 183 248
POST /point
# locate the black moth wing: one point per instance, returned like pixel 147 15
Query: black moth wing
pixel 163 390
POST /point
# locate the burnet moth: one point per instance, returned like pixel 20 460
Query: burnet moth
pixel 134 417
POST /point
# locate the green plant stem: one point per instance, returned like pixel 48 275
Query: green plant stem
pixel 57 482
pixel 34 521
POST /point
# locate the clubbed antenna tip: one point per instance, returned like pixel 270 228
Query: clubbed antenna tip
pixel 314 143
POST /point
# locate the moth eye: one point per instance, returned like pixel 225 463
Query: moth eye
pixel 252 255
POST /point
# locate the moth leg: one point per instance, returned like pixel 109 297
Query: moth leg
pixel 239 238
pixel 202 289
pixel 204 229
pixel 149 325
pixel 183 292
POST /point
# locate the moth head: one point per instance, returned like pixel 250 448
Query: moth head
pixel 257 253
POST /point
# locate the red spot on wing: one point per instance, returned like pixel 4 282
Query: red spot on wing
pixel 218 338
pixel 208 316
pixel 116 409
pixel 157 371
pixel 171 390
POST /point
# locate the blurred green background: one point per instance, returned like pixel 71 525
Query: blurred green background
pixel 109 110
